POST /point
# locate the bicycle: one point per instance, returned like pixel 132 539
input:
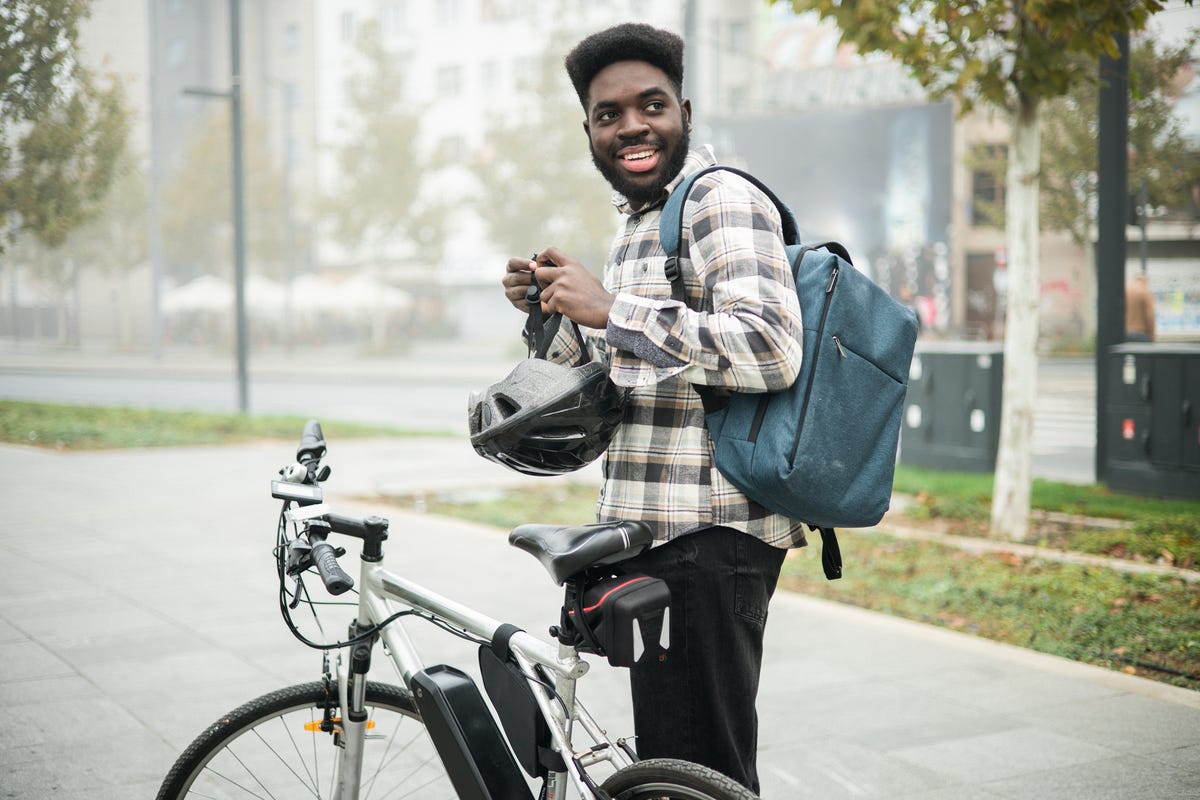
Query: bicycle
pixel 345 736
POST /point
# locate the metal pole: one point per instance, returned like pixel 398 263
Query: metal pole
pixel 1110 219
pixel 1143 203
pixel 156 165
pixel 289 243
pixel 691 50
pixel 239 211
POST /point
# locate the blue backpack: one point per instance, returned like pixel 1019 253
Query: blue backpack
pixel 824 450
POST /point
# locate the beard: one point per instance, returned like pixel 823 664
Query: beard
pixel 639 194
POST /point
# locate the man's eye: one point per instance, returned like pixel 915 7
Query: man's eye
pixel 606 116
pixel 657 105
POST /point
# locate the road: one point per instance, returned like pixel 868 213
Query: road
pixel 428 390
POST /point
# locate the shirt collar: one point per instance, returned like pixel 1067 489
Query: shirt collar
pixel 697 159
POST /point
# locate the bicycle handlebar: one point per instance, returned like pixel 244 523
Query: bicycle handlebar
pixel 335 578
pixel 312 443
pixel 306 492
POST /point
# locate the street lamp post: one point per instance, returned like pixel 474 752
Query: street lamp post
pixel 234 95
pixel 1113 137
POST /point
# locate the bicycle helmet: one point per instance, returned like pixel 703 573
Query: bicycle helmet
pixel 546 418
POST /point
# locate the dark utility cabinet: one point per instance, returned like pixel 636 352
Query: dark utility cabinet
pixel 952 410
pixel 1152 420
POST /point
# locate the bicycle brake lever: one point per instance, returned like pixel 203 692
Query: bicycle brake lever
pixel 296 593
pixel 299 557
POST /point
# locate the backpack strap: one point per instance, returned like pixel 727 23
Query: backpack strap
pixel 670 223
pixel 831 554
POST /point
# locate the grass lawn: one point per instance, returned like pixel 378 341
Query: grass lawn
pixel 1145 624
pixel 67 427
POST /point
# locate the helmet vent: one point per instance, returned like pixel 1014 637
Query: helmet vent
pixel 505 406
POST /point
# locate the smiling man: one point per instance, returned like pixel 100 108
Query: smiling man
pixel 740 329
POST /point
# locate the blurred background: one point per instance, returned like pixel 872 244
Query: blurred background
pixel 395 152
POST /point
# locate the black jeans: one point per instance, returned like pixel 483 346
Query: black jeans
pixel 697 702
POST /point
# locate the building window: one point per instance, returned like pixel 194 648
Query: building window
pixel 489 76
pixel 988 165
pixel 347 23
pixel 737 99
pixel 739 38
pixel 291 96
pixel 525 72
pixel 176 53
pixel 395 15
pixel 449 80
pixel 291 37
pixel 449 12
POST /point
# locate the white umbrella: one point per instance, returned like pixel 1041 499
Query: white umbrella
pixel 264 294
pixel 365 293
pixel 206 293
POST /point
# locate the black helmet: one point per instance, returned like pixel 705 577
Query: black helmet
pixel 546 418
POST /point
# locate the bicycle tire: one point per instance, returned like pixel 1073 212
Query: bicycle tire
pixel 272 747
pixel 670 779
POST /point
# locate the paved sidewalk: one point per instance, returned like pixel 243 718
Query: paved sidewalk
pixel 137 602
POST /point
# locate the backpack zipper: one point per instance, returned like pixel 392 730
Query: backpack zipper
pixel 759 413
pixel 816 355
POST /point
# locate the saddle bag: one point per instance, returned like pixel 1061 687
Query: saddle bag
pixel 623 617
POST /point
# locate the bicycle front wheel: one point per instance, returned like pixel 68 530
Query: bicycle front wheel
pixel 669 779
pixel 274 747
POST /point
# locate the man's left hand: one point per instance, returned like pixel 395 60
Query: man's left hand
pixel 569 289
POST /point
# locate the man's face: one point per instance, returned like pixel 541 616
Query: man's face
pixel 637 129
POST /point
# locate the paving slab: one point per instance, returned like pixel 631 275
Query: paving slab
pixel 138 602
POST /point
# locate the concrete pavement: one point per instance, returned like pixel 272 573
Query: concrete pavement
pixel 137 602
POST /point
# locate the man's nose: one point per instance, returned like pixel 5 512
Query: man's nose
pixel 633 125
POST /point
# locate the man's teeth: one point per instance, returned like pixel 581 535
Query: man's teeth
pixel 639 156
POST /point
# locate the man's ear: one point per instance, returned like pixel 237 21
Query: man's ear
pixel 686 106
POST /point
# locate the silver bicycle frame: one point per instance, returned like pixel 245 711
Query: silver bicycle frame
pixel 383 593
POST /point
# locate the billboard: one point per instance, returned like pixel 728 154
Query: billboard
pixel 878 180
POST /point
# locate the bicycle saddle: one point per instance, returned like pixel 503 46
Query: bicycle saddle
pixel 566 550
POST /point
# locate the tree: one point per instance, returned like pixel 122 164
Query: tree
pixel 61 134
pixel 1159 153
pixel 1013 55
pixel 547 193
pixel 113 241
pixel 198 201
pixel 378 197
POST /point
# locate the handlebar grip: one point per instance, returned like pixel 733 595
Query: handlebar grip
pixel 335 578
pixel 312 443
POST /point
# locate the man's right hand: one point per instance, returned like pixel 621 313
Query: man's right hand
pixel 517 277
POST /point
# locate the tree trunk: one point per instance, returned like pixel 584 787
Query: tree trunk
pixel 1014 462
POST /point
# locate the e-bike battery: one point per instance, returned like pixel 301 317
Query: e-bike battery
pixel 466 736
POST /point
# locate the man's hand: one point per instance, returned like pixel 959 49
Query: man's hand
pixel 569 289
pixel 517 277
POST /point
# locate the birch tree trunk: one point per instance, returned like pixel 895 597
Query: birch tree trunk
pixel 1014 461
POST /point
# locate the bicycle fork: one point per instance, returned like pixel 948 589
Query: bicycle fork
pixel 352 695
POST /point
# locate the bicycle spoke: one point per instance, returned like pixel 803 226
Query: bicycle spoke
pixel 271 748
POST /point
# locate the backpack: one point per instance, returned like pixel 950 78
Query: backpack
pixel 824 450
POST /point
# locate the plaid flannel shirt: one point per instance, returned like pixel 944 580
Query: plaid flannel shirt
pixel 659 467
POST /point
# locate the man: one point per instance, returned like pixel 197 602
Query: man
pixel 1139 310
pixel 719 552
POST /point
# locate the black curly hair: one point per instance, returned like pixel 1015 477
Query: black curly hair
pixel 630 41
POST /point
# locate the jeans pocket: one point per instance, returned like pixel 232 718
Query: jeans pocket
pixel 752 595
